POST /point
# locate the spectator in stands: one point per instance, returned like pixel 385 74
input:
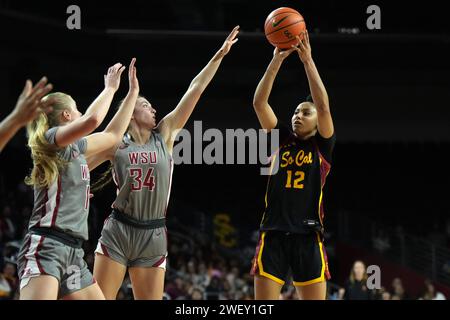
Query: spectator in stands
pixel 188 287
pixel 382 294
pixel 431 293
pixel 214 289
pixel 204 278
pixel 381 241
pixel 192 273
pixel 234 279
pixel 196 294
pixel 176 265
pixel 7 228
pixel 8 282
pixel 5 288
pixel 356 288
pixel 398 290
pixel 175 289
pixel 10 274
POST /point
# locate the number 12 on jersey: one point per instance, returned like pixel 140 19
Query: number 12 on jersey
pixel 299 176
pixel 138 184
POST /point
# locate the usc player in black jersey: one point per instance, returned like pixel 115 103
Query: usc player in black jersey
pixel 291 241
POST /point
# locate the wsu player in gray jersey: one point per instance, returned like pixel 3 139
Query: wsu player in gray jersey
pixel 50 261
pixel 134 236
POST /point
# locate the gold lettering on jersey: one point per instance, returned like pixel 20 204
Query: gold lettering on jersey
pixel 300 159
pixel 285 159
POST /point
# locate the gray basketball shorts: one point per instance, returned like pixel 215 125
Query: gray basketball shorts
pixel 133 247
pixel 40 255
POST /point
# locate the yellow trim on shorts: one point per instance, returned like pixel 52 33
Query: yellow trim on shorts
pixel 260 266
pixel 322 272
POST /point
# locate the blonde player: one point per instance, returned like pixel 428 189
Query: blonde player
pixel 50 262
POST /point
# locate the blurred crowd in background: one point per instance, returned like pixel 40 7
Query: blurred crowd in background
pixel 198 268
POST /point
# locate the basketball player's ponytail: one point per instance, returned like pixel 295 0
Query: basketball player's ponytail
pixel 46 162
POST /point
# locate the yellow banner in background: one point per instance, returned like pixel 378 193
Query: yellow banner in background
pixel 224 232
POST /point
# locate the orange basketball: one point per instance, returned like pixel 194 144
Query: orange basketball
pixel 282 25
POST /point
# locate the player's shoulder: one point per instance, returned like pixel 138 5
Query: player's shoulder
pixel 125 143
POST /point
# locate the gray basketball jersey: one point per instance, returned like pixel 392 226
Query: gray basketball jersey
pixel 143 176
pixel 64 205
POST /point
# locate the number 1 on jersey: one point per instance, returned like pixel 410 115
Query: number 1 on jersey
pixel 88 195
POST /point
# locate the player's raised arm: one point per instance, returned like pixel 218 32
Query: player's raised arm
pixel 102 145
pixel 316 87
pixel 95 114
pixel 179 116
pixel 28 107
pixel 264 111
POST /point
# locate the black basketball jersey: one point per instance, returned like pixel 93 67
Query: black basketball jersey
pixel 294 199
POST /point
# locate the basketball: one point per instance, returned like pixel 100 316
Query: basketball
pixel 282 26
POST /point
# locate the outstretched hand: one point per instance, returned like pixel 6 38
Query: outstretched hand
pixel 30 104
pixel 303 48
pixel 132 77
pixel 112 78
pixel 229 41
pixel 282 54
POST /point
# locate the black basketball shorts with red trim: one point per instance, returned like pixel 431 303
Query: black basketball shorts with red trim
pixel 280 254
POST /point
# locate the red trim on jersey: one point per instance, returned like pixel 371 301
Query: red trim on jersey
pixel 105 251
pixel 41 270
pixel 325 168
pixel 159 262
pixel 115 178
pixel 58 198
pixel 27 246
pixel 324 171
pixel 116 181
pixel 325 258
pixel 167 238
pixel 170 185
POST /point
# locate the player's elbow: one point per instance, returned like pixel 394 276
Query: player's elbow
pixel 196 87
pixel 259 100
pixel 258 104
pixel 92 122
